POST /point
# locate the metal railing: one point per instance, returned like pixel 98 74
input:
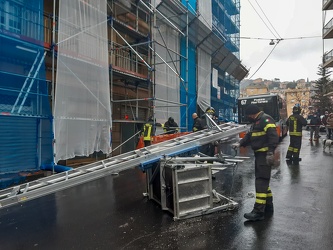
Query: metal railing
pixel 328 56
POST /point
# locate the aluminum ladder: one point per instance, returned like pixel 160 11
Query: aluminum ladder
pixel 26 87
pixel 112 165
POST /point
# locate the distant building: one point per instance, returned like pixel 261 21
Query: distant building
pixel 256 88
pixel 298 96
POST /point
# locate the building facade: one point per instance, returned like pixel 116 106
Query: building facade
pixel 158 58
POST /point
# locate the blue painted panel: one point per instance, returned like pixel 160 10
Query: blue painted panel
pixel 18 147
pixel 24 96
pixel 191 97
pixel 192 3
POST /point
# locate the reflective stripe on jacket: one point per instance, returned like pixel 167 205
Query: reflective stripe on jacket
pixel 147 132
pixel 262 136
pixel 295 123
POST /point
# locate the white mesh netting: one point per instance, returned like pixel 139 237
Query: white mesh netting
pixel 205 12
pixel 204 79
pixel 167 81
pixel 82 114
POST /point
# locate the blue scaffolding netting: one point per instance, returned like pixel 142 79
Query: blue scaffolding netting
pixel 25 113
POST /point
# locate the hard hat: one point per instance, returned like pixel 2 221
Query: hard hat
pixel 297 109
pixel 210 110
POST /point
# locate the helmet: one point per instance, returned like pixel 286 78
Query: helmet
pixel 171 119
pixel 210 111
pixel 297 109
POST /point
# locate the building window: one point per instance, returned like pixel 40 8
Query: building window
pixel 10 16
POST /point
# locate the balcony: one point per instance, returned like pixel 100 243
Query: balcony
pixel 328 59
pixel 328 30
pixel 327 4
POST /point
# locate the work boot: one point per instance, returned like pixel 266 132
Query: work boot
pixel 269 208
pixel 254 216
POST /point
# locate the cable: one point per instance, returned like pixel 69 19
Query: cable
pixel 287 38
pixel 265 59
pixel 262 20
pixel 301 37
pixel 268 19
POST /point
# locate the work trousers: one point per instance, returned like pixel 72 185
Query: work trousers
pixel 315 130
pixel 294 147
pixel 263 175
pixel 329 133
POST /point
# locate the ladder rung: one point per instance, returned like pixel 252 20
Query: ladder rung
pixel 120 163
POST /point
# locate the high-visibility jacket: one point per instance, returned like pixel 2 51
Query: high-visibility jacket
pixel 262 136
pixel 295 122
pixel 147 131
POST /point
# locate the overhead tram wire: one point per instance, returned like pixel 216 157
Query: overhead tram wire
pixel 279 39
pixel 277 42
pixel 265 59
pixel 268 20
pixel 263 20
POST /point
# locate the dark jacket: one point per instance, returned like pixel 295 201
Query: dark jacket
pixel 315 120
pixel 170 127
pixel 295 124
pixel 197 125
pixel 262 136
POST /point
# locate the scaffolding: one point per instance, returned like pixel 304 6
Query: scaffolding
pixel 183 39
pixel 161 55
pixel 25 115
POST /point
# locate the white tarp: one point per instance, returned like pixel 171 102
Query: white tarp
pixel 204 79
pixel 82 114
pixel 167 81
pixel 205 12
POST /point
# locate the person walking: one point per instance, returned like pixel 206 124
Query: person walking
pixel 295 124
pixel 170 126
pixel 315 123
pixel 329 126
pixel 263 139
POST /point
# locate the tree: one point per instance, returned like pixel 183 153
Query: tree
pixel 322 86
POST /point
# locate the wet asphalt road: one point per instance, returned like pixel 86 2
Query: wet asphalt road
pixel 111 213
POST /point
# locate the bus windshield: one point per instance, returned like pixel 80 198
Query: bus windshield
pixel 269 104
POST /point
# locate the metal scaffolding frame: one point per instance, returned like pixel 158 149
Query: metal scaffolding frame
pixel 182 18
pixel 185 20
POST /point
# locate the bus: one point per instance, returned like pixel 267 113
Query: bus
pixel 272 105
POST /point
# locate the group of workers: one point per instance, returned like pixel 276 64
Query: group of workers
pixel 149 129
pixel 171 127
pixel 263 139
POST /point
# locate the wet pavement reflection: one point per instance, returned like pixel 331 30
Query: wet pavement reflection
pixel 112 213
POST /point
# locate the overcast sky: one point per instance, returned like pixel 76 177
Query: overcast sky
pixel 292 59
